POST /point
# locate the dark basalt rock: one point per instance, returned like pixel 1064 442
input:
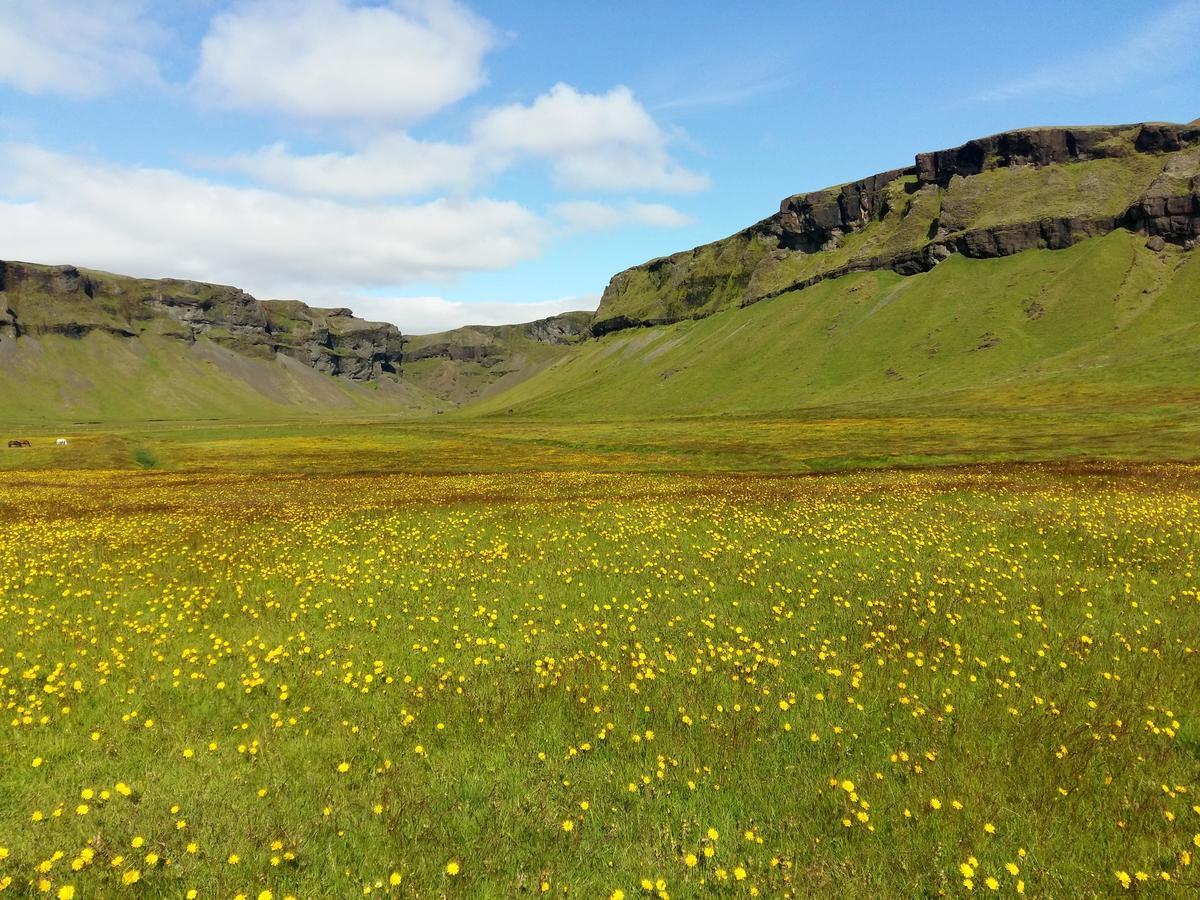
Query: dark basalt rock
pixel 725 273
pixel 562 329
pixel 61 300
pixel 813 222
pixel 485 344
pixel 9 327
pixel 448 350
pixel 1024 147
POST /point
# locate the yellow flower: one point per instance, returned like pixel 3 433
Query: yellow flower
pixel 935 803
pixel 343 767
pixel 567 825
pixel 713 834
pixel 66 892
pixel 739 873
pixel 992 883
pixel 131 876
pixel 690 860
pixel 452 867
pixel 618 894
pixel 394 879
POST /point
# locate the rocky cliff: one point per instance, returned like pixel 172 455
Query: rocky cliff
pixel 466 363
pixel 995 196
pixel 475 343
pixel 39 300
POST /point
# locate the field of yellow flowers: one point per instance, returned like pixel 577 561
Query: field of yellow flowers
pixel 886 684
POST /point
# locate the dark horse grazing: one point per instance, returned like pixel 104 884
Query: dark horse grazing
pixel 19 444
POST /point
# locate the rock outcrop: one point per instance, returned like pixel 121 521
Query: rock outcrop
pixel 464 364
pixel 1034 188
pixel 481 343
pixel 39 300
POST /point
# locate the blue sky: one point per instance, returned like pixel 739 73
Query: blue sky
pixel 436 163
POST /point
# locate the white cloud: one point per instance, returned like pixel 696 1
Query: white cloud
pixel 76 47
pixel 426 315
pixel 588 215
pixel 160 222
pixel 1159 43
pixel 392 165
pixel 336 60
pixel 593 141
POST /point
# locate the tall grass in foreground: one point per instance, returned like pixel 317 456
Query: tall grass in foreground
pixel 886 685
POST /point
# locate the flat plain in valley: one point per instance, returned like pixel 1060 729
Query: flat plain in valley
pixel 494 659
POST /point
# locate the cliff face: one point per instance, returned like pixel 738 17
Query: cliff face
pixel 467 363
pixel 474 343
pixel 1031 188
pixel 37 300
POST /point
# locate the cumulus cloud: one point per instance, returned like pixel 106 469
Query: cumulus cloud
pixel 336 60
pixel 592 141
pixel 161 222
pixel 76 47
pixel 588 215
pixel 392 165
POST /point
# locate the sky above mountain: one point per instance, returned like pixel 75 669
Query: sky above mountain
pixel 435 163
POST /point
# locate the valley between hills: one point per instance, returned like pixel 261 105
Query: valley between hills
pixel 1027 295
pixel 852 555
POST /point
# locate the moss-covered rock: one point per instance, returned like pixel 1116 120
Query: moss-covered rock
pixel 995 196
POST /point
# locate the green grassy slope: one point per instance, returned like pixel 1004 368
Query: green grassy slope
pixel 100 377
pixel 911 219
pixel 1104 319
pixel 479 361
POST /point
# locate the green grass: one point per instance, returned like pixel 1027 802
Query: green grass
pixel 748 266
pixel 808 666
pixel 1106 319
pixel 57 380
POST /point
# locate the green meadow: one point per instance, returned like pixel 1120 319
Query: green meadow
pixel 868 590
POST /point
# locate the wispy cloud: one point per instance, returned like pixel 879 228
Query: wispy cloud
pixel 729 92
pixel 1143 54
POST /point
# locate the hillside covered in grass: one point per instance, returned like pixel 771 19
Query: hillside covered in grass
pixel 1050 268
pixel 995 196
pixel 1106 321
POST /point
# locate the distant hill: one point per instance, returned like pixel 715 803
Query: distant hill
pixel 995 196
pixel 1105 324
pixel 79 344
pixel 1014 270
pixel 479 361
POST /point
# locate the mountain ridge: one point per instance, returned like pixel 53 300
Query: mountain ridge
pixel 1143 177
pixel 75 340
